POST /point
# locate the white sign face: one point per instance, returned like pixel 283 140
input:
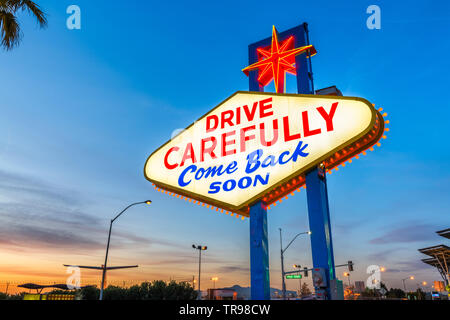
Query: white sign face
pixel 253 142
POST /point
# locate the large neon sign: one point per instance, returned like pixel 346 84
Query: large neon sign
pixel 259 145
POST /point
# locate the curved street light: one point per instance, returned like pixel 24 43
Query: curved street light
pixel 283 289
pixel 403 280
pixel 109 238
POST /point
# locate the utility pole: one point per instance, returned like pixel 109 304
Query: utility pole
pixel 283 273
pixel 200 249
pixel 283 281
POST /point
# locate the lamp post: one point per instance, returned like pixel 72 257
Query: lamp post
pixel 404 285
pixel 283 289
pixel 200 249
pixel 109 238
pixel 214 279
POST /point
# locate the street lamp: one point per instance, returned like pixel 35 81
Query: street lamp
pixel 200 249
pixel 214 279
pixel 404 285
pixel 347 274
pixel 283 289
pixel 109 238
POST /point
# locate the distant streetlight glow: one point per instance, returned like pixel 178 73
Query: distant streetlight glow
pixel 347 274
pixel 403 280
pixel 214 279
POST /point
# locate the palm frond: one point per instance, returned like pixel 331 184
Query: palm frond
pixel 4 4
pixel 30 6
pixel 9 30
pixel 36 10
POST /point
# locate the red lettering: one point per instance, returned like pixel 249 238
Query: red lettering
pixel 166 157
pixel 238 116
pixel 209 128
pixel 209 150
pixel 226 143
pixel 306 131
pixel 188 154
pixel 245 138
pixel 287 135
pixel 226 118
pixel 328 117
pixel 250 114
pixel 263 134
pixel 264 106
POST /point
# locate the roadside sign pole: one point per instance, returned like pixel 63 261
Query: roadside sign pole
pixel 318 211
pixel 319 224
pixel 259 244
pixel 316 182
pixel 259 253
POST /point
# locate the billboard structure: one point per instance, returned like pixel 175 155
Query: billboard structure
pixel 259 146
pixel 256 149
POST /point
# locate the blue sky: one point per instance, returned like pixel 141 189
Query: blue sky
pixel 82 109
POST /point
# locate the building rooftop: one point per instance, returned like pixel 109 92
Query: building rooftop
pixel 444 233
pixel 439 250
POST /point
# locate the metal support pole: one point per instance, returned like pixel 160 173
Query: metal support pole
pixel 300 288
pixel 317 199
pixel 319 223
pixel 109 238
pixel 283 281
pixel 106 260
pixel 259 250
pixel 259 253
pixel 316 187
pixel 199 295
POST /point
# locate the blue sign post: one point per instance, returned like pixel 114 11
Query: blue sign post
pixel 259 253
pixel 318 211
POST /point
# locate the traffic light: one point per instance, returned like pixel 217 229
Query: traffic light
pixel 350 265
pixel 305 271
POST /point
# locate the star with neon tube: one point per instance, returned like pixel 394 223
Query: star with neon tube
pixel 274 61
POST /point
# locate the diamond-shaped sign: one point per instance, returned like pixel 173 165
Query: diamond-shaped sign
pixel 259 145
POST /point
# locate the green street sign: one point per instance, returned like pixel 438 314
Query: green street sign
pixel 293 276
